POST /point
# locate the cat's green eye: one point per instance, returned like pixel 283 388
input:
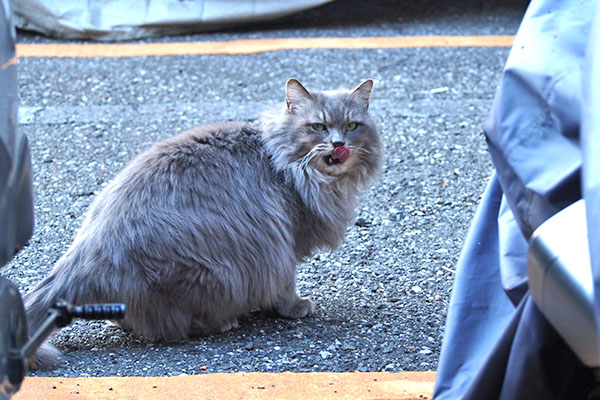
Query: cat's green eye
pixel 351 126
pixel 318 127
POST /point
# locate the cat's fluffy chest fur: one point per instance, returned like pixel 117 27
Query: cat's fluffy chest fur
pixel 209 224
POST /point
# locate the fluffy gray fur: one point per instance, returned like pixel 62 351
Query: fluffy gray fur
pixel 210 224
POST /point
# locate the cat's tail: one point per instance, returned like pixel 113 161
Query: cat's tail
pixel 46 357
pixel 37 305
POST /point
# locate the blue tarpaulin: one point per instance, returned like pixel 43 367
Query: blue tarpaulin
pixel 543 135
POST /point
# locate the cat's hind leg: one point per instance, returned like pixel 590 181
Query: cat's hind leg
pixel 156 315
pixel 229 325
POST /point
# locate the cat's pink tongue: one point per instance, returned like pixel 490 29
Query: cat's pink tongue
pixel 340 153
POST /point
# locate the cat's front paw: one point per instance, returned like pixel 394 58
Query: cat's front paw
pixel 302 307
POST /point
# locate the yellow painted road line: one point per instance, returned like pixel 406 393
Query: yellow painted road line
pixel 250 46
pixel 287 385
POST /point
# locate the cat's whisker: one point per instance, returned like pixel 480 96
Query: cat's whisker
pixel 360 150
pixel 314 152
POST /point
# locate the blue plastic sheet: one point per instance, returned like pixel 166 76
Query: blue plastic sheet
pixel 543 134
pixel 590 138
pixel 16 199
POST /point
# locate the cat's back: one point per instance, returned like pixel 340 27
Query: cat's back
pixel 227 137
pixel 211 145
pixel 208 154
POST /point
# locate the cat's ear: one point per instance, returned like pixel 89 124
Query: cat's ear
pixel 363 92
pixel 295 94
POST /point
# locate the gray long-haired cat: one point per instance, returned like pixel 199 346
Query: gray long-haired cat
pixel 210 224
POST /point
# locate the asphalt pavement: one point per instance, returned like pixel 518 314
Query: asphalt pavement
pixel 382 298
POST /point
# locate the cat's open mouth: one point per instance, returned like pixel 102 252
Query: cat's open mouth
pixel 330 161
pixel 339 156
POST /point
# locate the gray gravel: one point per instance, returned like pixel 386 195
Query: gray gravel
pixel 382 298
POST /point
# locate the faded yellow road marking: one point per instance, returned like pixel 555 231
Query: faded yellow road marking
pixel 250 46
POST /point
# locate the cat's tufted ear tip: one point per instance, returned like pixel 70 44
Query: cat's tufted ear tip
pixel 292 82
pixel 363 91
pixel 294 93
pixel 368 83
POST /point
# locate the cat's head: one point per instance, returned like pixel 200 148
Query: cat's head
pixel 329 131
